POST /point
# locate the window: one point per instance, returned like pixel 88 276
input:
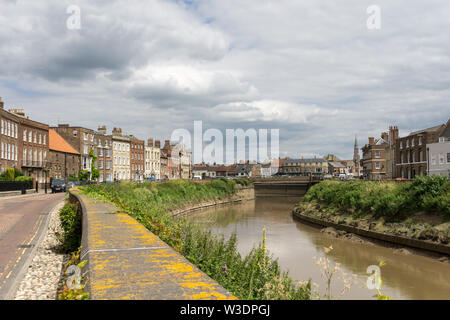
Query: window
pixel 420 141
pixel 377 154
pixel 3 127
pixel 407 143
pixel 441 139
pixel 85 136
pixel 45 139
pixel 448 157
pixel 40 139
pixel 75 133
pixel 377 165
pixel 25 135
pixel 433 159
pixel 30 136
pixel 441 158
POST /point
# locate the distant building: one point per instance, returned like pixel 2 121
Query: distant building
pixel 85 140
pixel 305 166
pixel 121 154
pixel 63 159
pixel 200 170
pixel 411 152
pixel 137 161
pixel 374 161
pixel 23 144
pixel 439 154
pixel 153 159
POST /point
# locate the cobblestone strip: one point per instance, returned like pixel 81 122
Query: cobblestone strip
pixel 42 279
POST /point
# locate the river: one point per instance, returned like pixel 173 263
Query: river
pixel 294 244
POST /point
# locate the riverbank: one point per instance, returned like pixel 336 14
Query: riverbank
pixel 254 276
pixel 414 214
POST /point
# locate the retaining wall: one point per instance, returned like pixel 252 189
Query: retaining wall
pixel 409 242
pixel 127 261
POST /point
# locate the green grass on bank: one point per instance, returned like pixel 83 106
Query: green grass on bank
pixel 429 194
pixel 255 276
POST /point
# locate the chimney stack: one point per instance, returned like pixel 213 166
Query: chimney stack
pixel 167 144
pixel 384 136
pixel 371 140
pixel 150 142
pixel 102 129
pixel 18 112
pixel 1 103
pixel 117 131
pixel 158 144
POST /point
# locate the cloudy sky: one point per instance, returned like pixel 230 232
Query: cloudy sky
pixel 309 68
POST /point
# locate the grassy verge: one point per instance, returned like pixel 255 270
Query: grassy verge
pixel 255 276
pixel 417 209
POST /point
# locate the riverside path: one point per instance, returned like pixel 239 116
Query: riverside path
pixel 22 221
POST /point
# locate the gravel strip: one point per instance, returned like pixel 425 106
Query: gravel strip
pixel 43 277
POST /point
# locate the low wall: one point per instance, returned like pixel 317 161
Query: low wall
pixel 16 192
pixel 127 261
pixel 409 242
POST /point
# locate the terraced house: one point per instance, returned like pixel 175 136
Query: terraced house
pixel 63 159
pixel 439 154
pixel 9 140
pixel 305 166
pixel 103 152
pixel 411 152
pixel 137 162
pixel 153 159
pixel 81 139
pixel 121 155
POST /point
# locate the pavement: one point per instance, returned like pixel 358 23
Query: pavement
pixel 22 222
pixel 127 261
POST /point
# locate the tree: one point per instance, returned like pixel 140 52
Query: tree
pixel 95 173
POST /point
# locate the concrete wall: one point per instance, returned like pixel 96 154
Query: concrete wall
pixel 127 261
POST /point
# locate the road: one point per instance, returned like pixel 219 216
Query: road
pixel 22 221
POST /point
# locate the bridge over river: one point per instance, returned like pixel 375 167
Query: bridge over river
pixel 284 186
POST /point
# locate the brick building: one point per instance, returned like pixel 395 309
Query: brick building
pixel 85 140
pixel 103 152
pixel 63 159
pixel 137 161
pixel 411 152
pixel 10 144
pixel 305 166
pixel 32 146
pixel 375 159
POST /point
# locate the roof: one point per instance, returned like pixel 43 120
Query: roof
pixel 336 164
pixel 57 143
pixel 432 129
pixel 304 160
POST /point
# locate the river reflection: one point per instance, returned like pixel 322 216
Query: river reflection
pixel 295 244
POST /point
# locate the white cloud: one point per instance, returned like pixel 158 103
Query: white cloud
pixel 311 69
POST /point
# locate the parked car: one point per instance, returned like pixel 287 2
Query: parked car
pixel 327 177
pixel 58 185
pixel 70 184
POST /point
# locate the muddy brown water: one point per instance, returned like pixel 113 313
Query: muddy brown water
pixel 295 244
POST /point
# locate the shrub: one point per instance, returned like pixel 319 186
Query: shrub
pixel 430 193
pixel 24 178
pixel 70 221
